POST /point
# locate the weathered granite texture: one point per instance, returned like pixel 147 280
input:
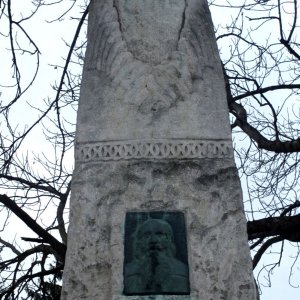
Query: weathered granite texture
pixel 207 191
pixel 152 71
pixel 153 135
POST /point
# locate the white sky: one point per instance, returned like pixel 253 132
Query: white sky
pixel 49 37
pixel 284 282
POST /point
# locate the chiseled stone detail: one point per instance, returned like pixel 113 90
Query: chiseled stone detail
pixel 156 297
pixel 153 149
pixel 153 134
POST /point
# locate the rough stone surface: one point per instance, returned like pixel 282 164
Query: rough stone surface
pixel 143 82
pixel 153 135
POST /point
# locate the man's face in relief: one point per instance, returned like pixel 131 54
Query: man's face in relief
pixel 154 236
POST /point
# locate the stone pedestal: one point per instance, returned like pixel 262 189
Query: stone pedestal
pixel 153 136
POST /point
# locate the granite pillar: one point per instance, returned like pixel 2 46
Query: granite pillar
pixel 153 136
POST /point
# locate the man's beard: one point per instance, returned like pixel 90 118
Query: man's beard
pixel 155 270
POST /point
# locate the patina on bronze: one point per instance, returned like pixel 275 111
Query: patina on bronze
pixel 155 254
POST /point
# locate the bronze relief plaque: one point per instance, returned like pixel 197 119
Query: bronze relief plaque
pixel 155 261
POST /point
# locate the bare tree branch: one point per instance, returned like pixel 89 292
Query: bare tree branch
pixel 10 246
pixel 263 249
pixel 32 224
pixel 276 146
pixel 287 227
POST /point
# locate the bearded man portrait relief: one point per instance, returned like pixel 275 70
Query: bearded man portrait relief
pixel 155 268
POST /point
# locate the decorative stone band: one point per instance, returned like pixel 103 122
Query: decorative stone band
pixel 153 149
pixel 157 297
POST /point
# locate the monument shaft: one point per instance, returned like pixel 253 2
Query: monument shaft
pixel 153 143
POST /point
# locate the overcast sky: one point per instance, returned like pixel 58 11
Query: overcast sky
pixel 49 39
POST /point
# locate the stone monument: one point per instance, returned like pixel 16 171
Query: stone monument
pixel 156 206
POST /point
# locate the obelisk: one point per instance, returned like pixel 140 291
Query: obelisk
pixel 156 206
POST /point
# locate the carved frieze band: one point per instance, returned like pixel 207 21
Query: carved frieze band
pixel 153 149
pixel 161 297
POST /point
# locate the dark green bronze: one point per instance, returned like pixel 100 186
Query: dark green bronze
pixel 155 254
